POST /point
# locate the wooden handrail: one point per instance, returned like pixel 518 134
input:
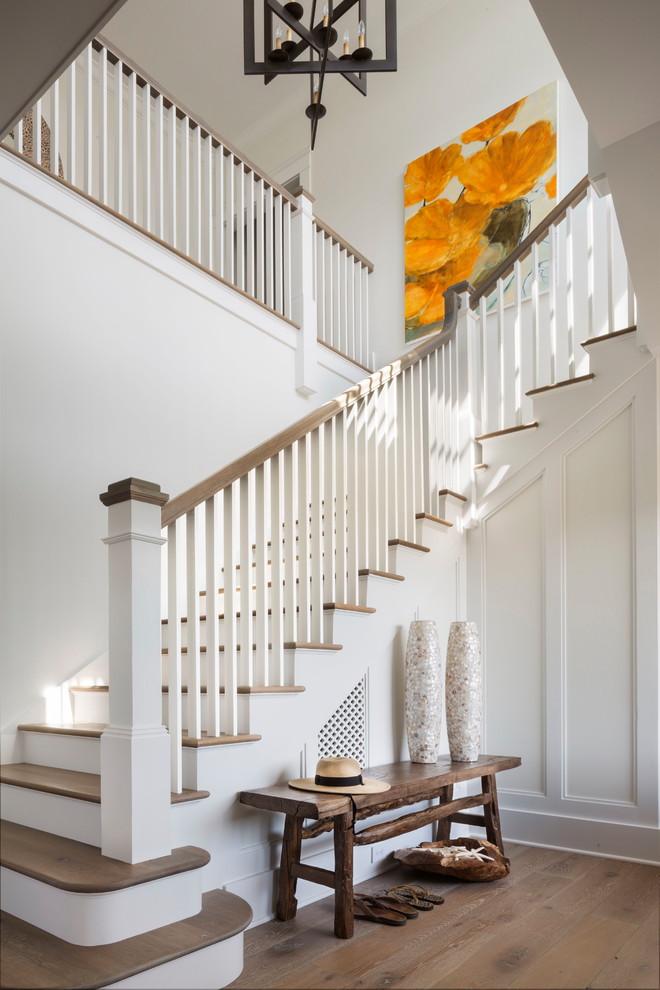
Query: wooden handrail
pixel 336 239
pixel 144 79
pixel 199 493
pixel 577 193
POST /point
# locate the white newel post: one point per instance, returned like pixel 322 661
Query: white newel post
pixel 303 301
pixel 135 751
pixel 468 391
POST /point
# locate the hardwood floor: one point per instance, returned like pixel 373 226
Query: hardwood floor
pixel 558 920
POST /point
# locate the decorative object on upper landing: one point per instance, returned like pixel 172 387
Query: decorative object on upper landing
pixel 281 56
pixel 463 858
pixel 463 692
pixel 339 775
pixel 471 201
pixel 423 691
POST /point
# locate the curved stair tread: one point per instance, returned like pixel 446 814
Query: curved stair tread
pixel 51 963
pixel 70 783
pixel 80 867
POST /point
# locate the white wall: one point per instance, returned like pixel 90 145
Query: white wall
pixel 465 62
pixel 111 367
pixel 563 579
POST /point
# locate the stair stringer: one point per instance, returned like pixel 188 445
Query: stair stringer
pixel 245 843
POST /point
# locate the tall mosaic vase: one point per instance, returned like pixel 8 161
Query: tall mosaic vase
pixel 423 691
pixel 463 692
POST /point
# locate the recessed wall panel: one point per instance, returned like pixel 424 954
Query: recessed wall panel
pixel 513 637
pixel 599 618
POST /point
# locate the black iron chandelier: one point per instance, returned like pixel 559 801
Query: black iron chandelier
pixel 289 46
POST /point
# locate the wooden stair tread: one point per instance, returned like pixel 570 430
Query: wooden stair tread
pixel 448 491
pixel 286 646
pixel 367 571
pixel 507 431
pixel 70 783
pixel 92 729
pixel 409 545
pixel 80 867
pixel 252 587
pixel 607 336
pixel 435 519
pixel 51 962
pixel 343 607
pixel 562 384
pixel 224 739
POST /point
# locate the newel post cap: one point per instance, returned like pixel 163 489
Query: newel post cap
pixel 134 489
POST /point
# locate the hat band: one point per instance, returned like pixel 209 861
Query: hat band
pixel 338 781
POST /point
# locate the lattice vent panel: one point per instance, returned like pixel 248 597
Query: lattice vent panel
pixel 345 734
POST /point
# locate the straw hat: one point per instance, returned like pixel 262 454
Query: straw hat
pixel 339 775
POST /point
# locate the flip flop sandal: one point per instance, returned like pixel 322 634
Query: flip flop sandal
pixel 394 904
pixel 407 896
pixel 365 910
pixel 423 892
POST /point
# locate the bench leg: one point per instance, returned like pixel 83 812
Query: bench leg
pixel 343 836
pixel 443 828
pixel 291 845
pixel 492 812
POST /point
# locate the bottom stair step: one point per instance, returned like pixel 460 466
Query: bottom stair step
pixel 32 958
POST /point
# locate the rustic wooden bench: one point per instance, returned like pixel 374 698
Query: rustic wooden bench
pixel 410 783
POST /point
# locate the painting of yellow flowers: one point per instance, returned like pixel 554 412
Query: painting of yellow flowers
pixel 470 202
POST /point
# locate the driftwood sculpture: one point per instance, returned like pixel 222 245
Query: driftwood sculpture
pixel 463 858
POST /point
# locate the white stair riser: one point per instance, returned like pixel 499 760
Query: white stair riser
pixel 99 919
pixel 207 969
pixel 426 531
pixel 338 624
pixel 65 816
pixel 50 749
pixel 90 706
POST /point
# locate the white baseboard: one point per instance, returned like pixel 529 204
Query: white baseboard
pixel 634 843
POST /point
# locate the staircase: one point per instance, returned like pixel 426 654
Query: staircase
pixel 291 575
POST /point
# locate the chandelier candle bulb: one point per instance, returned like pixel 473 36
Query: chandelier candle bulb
pixel 347 49
pixel 289 34
pixel 278 38
pixel 326 16
pixel 361 33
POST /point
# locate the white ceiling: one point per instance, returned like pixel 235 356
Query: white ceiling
pixel 194 49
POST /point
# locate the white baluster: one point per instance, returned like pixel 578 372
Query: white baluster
pixel 517 346
pixel 119 137
pixel 212 630
pixel 314 553
pixel 88 156
pixel 147 165
pixel 276 675
pixel 160 167
pixel 220 211
pixel 55 128
pixel 249 240
pixel 268 253
pixel 197 185
pixel 410 472
pixel 210 190
pixel 287 273
pixel 341 490
pixel 230 271
pixel 402 456
pixel 262 499
pixel 320 284
pixel 103 126
pixel 19 136
pixel 71 122
pixel 365 503
pixel 304 535
pixel 174 714
pixel 382 490
pixel 365 317
pixel 534 317
pixel 277 254
pixel 292 512
pixel 174 189
pixel 554 276
pixel 132 147
pixel 185 180
pixel 330 523
pixel 372 494
pixel 392 484
pixel 246 577
pixel 239 179
pixel 591 318
pixel 610 328
pixel 36 132
pixel 230 655
pixel 193 660
pixel 352 525
pixel 260 290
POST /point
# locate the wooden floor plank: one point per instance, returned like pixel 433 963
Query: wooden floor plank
pixel 635 965
pixel 553 922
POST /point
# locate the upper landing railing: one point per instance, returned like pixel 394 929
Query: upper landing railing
pixel 117 136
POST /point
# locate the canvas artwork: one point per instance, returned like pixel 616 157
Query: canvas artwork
pixel 471 201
